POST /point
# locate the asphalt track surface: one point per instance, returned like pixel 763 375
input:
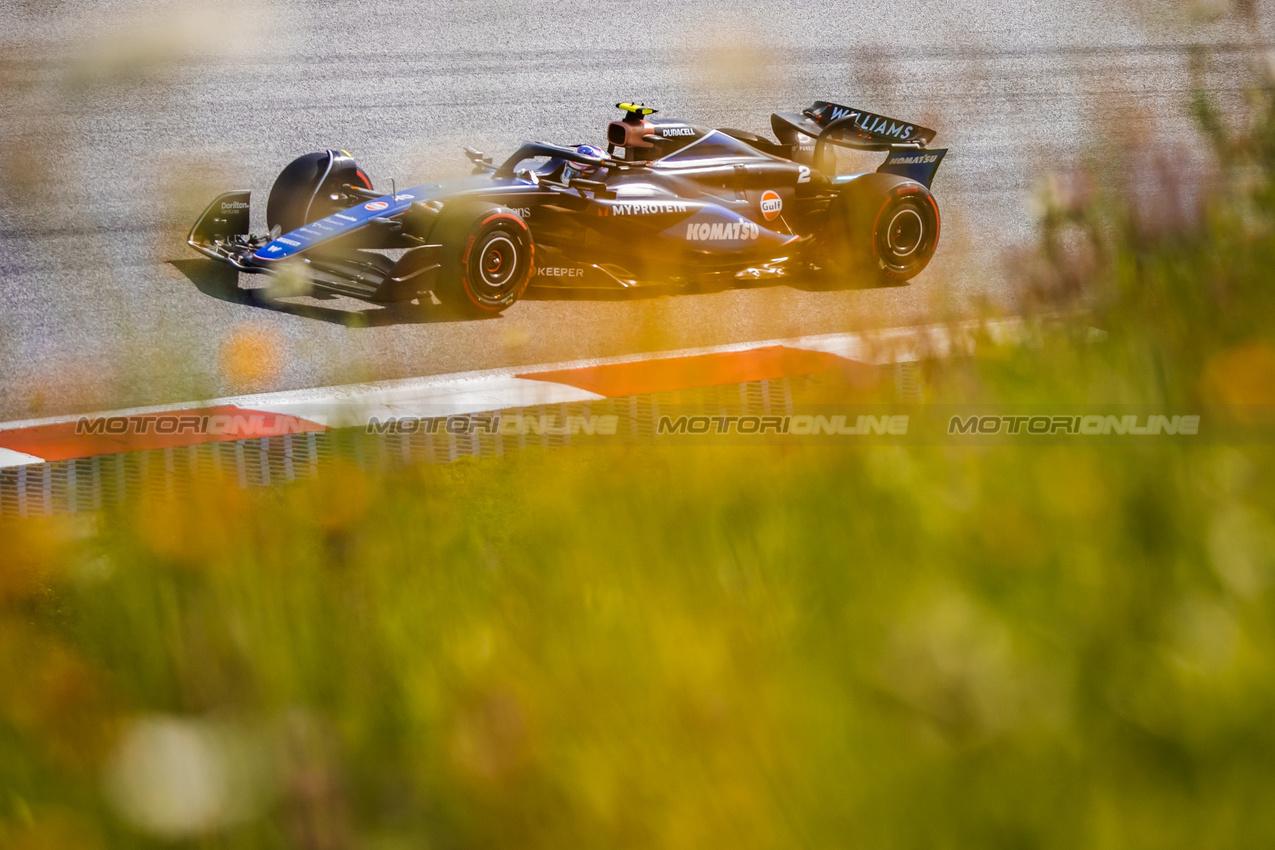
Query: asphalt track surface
pixel 124 120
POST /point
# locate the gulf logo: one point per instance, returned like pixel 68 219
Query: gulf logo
pixel 771 204
pixel 376 206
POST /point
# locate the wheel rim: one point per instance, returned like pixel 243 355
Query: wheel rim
pixel 905 233
pixel 497 265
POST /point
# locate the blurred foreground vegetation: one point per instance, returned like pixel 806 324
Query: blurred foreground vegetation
pixel 1017 647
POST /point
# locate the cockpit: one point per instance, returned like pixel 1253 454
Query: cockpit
pixel 639 139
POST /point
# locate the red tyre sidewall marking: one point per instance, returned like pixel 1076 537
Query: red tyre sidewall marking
pixel 937 226
pixel 469 247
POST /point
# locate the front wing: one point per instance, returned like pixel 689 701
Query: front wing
pixel 221 233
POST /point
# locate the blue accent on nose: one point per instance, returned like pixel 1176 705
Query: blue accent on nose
pixel 338 224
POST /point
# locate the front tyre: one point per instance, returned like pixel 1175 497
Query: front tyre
pixel 488 258
pixel 311 187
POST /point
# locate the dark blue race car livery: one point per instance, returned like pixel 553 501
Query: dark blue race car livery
pixel 668 203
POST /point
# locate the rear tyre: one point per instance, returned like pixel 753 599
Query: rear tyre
pixel 904 236
pixel 882 226
pixel 488 258
pixel 303 191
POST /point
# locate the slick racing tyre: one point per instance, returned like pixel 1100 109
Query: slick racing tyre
pixel 303 191
pixel 488 258
pixel 905 235
pixel 882 225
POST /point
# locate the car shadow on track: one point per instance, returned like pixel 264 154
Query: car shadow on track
pixel 639 293
pixel 804 282
pixel 222 282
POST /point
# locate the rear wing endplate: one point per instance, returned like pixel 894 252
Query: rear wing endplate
pixel 919 165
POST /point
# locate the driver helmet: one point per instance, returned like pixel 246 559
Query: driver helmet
pixel 580 169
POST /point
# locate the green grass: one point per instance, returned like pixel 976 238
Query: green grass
pixel 673 647
pixel 666 648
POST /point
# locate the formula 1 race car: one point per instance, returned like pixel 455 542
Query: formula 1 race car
pixel 668 203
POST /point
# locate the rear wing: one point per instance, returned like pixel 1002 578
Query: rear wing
pixel 849 127
pixel 857 127
pixel 824 123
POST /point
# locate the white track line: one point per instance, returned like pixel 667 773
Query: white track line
pixel 8 457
